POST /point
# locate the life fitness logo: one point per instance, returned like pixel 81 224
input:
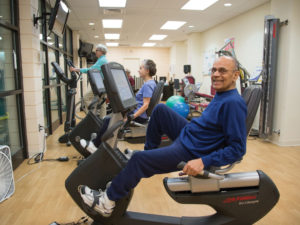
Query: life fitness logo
pixel 242 200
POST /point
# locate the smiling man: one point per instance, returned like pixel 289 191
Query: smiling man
pixel 216 138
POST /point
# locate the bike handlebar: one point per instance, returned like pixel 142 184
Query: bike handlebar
pixel 203 173
pixel 69 62
pixel 60 73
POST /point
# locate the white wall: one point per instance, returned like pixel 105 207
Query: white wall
pixel 178 58
pixel 287 109
pixel 161 56
pixel 194 56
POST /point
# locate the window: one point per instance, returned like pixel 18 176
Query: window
pixel 12 128
pixel 56 50
pixel 7 60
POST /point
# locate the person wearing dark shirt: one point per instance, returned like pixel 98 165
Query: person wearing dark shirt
pixel 130 78
pixel 143 97
pixel 217 138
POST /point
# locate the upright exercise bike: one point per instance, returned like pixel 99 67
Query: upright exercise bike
pixel 72 86
pixel 238 198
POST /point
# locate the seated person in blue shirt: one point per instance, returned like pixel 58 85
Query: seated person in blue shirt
pixel 101 51
pixel 147 71
pixel 216 138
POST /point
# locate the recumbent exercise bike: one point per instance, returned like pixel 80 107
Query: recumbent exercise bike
pixel 238 198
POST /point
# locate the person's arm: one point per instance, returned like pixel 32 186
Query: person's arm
pixel 97 66
pixel 146 102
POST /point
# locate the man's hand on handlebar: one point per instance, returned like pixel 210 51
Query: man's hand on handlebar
pixel 193 167
pixel 73 69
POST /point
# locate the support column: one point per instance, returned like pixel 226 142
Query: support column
pixel 32 75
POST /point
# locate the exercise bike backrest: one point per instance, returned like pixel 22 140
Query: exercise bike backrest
pixel 156 97
pixel 252 96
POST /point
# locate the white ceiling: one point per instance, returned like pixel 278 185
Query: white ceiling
pixel 142 18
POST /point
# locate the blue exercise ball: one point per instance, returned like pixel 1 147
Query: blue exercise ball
pixel 181 108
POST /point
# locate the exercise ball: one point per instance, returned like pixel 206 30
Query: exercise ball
pixel 174 99
pixel 181 108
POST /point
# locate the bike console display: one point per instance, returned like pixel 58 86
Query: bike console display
pixel 118 87
pixel 96 81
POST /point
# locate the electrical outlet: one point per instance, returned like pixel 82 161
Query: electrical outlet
pixel 41 128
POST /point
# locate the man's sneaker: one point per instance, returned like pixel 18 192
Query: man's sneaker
pixel 128 153
pixel 97 200
pixel 88 145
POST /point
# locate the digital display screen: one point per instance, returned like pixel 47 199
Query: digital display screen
pixel 122 84
pixel 60 19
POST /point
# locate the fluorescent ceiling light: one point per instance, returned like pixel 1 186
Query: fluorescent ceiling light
pixel 149 44
pixel 112 3
pixel 112 23
pixel 112 36
pixel 96 36
pixel 227 4
pixel 112 44
pixel 198 4
pixel 91 24
pixel 158 37
pixel 172 25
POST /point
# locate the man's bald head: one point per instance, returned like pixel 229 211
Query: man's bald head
pixel 224 73
pixel 230 58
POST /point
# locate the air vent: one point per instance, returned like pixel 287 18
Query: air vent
pixel 113 11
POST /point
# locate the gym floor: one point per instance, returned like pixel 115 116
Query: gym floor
pixel 41 198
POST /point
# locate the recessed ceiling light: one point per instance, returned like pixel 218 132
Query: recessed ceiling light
pixel 149 44
pixel 172 25
pixel 112 44
pixel 227 4
pixel 96 36
pixel 91 24
pixel 112 23
pixel 112 36
pixel 191 26
pixel 157 37
pixel 112 3
pixel 198 5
